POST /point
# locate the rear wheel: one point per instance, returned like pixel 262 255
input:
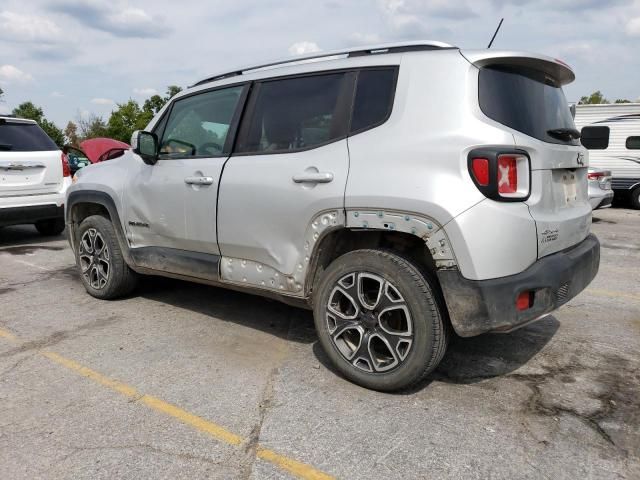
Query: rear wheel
pixel 54 226
pixel 635 198
pixel 379 320
pixel 103 270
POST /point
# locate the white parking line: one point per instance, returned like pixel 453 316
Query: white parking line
pixel 39 267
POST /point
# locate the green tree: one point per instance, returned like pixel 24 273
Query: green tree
pixel 130 116
pixel 53 131
pixel 593 99
pixel 33 112
pixel 155 103
pixel 171 91
pixel 622 100
pixel 71 134
pixel 127 118
pixel 30 111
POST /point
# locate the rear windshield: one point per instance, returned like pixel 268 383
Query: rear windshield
pixel 526 100
pixel 24 137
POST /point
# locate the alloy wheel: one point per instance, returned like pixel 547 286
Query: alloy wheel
pixel 369 322
pixel 95 264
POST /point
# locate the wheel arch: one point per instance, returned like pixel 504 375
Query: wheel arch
pixel 338 241
pixel 84 203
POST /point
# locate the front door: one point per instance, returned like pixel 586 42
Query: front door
pixel 173 203
pixel 289 168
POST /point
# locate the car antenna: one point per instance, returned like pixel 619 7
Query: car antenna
pixel 496 33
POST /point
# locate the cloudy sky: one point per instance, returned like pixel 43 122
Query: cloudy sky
pixel 77 56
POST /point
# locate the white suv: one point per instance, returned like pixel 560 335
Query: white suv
pixel 400 191
pixel 34 176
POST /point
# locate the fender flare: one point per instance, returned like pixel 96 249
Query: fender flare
pixel 98 198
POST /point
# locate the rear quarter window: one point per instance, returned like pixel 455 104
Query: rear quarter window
pixel 375 90
pixel 24 137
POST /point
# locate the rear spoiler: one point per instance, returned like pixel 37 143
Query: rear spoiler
pixel 555 68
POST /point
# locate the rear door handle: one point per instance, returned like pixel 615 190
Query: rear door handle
pixel 313 177
pixel 199 180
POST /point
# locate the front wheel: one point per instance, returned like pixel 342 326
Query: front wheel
pixel 103 270
pixel 379 320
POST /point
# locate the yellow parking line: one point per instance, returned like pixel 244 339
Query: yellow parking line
pixel 201 424
pixel 8 335
pixel 612 294
pixel 299 469
pixel 119 387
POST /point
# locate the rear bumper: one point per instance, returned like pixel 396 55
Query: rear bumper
pixel 479 306
pixel 600 199
pixel 29 214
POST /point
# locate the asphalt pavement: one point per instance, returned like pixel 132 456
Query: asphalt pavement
pixel 188 381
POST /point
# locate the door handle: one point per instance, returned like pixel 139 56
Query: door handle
pixel 313 177
pixel 198 180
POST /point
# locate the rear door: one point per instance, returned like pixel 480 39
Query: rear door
pixel 290 166
pixel 30 162
pixel 532 104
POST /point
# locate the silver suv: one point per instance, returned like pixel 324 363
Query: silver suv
pixel 402 192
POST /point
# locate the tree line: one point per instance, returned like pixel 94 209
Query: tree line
pixel 123 120
pixel 597 98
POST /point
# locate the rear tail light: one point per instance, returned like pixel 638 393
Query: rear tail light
pixel 501 174
pixel 507 175
pixel 513 176
pixel 595 175
pixel 66 171
pixel 480 168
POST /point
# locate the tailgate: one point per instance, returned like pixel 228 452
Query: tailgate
pixel 559 201
pixel 30 173
pixel 523 92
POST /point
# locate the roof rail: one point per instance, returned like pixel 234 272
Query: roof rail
pixel 397 47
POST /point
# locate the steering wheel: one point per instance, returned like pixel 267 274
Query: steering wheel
pixel 205 146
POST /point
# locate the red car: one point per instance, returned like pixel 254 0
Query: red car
pixel 93 151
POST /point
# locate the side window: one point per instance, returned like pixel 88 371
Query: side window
pixel 162 123
pixel 295 114
pixel 374 98
pixel 633 143
pixel 198 125
pixel 595 138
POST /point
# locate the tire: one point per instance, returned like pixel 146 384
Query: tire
pixel 634 198
pixel 405 333
pixel 54 226
pixel 103 270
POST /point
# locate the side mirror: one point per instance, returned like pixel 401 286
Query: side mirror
pixel 145 144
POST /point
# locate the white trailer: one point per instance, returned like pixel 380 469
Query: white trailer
pixel 611 132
